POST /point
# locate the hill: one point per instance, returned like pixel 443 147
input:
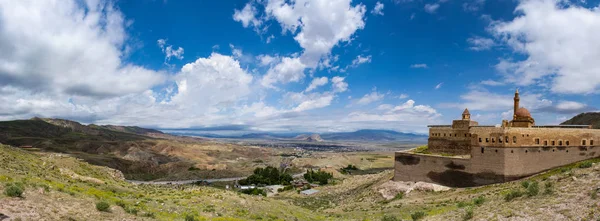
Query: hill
pixel 375 135
pixel 591 118
pixel 58 187
pixel 141 154
pixel 309 138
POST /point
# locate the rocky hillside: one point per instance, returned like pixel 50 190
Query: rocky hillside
pixel 591 118
pixel 58 187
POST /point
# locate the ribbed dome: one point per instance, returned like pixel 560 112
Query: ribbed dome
pixel 523 112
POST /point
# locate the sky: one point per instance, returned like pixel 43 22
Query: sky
pixel 297 66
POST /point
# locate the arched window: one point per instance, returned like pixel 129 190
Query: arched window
pixel 506 138
pixel 493 140
pixel 560 143
pixel 499 139
pixel 514 139
pixel 591 142
pixel 537 141
pixel 553 143
pixel 583 143
pixel 487 140
pixel 480 140
pixel 545 143
pixel 567 143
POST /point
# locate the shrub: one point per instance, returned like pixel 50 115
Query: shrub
pixel 594 194
pixel 586 164
pixel 133 211
pixel 462 204
pixel 321 177
pixel 121 203
pixel 389 218
pixel 525 184
pixel 479 200
pixel 399 195
pixel 533 189
pixel 548 188
pixel 190 217
pixel 268 176
pixel 512 195
pixel 468 214
pixel 417 215
pixel 14 190
pixel 102 206
pixel 255 191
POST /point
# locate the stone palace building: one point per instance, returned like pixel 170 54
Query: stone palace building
pixel 468 154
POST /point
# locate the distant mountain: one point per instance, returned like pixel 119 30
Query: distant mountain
pixel 310 138
pixel 374 135
pixel 591 118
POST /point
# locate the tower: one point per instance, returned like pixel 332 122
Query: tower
pixel 516 105
pixel 466 115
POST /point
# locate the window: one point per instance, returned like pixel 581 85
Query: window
pixel 553 143
pixel 527 135
pixel 583 142
pixel 487 140
pixel 591 142
pixel 545 143
pixel 560 143
pixel 493 140
pixel 480 140
pixel 499 139
pixel 567 143
pixel 506 138
pixel 444 134
pixel 523 135
pixel 514 139
pixel 482 150
pixel 537 141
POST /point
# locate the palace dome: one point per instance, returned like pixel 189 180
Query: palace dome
pixel 523 112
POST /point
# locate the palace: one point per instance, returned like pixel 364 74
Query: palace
pixel 481 155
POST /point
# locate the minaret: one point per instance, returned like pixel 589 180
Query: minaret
pixel 516 104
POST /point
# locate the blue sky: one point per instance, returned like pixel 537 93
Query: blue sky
pixel 305 65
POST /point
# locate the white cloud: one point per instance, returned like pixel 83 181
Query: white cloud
pixel 322 24
pixel 168 50
pixel 488 101
pixel 565 58
pixel 480 43
pixel 361 60
pixel 378 9
pixel 247 16
pixel 438 86
pixel 317 82
pixel 53 44
pixel 492 83
pixel 419 66
pixel 370 98
pixel 338 84
pixel 236 52
pixel 431 8
pixel 473 5
pixel 404 115
pixel 288 70
pixel 266 60
pixel 270 38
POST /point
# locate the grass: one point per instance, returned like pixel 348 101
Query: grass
pixel 422 149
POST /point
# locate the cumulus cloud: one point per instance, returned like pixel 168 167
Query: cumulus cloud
pixel 288 70
pixel 338 84
pixel 318 25
pixel 406 114
pixel 76 49
pixel 378 9
pixel 480 43
pixel 266 60
pixel 360 59
pixel 419 66
pixel 564 58
pixel 370 98
pixel 431 8
pixel 247 16
pixel 317 82
pixel 169 51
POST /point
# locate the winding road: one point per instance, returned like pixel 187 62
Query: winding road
pixel 181 182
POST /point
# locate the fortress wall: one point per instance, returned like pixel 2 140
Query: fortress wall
pixel 433 169
pixel 449 140
pixel 527 161
pixel 527 136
